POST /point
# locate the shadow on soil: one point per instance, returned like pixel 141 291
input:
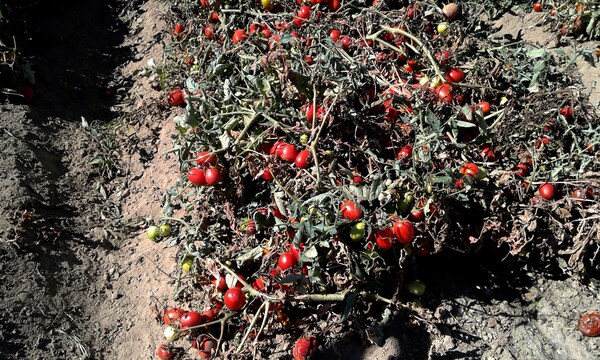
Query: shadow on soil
pixel 482 279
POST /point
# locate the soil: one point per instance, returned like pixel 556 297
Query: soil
pixel 78 277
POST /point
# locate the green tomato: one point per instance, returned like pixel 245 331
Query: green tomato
pixel 170 333
pixel 357 232
pixel 481 174
pixel 416 287
pixel 303 138
pixel 187 263
pixel 443 28
pixel 164 230
pixel 153 232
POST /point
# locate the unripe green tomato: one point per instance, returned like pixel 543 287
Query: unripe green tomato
pixel 357 232
pixel 164 230
pixel 481 174
pixel 435 82
pixel 303 139
pixel 416 287
pixel 429 189
pixel 329 152
pixel 187 263
pixel 409 197
pixel 153 232
pixel 403 206
pixel 170 333
pixel 196 67
pixel 443 28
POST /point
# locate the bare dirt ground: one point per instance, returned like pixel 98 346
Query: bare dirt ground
pixel 78 278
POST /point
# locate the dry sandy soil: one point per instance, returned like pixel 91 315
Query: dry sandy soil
pixel 78 278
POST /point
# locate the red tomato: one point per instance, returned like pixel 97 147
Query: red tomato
pixel 521 170
pixel 305 348
pixel 238 36
pixel 209 315
pixel 209 31
pixel 206 158
pixel 165 352
pixel 172 316
pixel 304 12
pixel 455 75
pixel 234 299
pixel 485 107
pixel 405 153
pixel 286 260
pixel 583 194
pixel 197 177
pixel 384 238
pixel 298 21
pixel 488 153
pixel 266 175
pixel 567 112
pixel 259 285
pixel 444 92
pixel 176 97
pixel 417 215
pixel 276 148
pixel 222 285
pixel 335 35
pixel 345 42
pixel 213 175
pixel 542 141
pixel 275 211
pixel 191 318
pixel 469 169
pixel 350 210
pixel 178 29
pixel 391 114
pixel 442 56
pixel 267 33
pixel 253 28
pixel 204 3
pixel 303 158
pixel 589 324
pixel 333 5
pixel 421 247
pixel 547 191
pixel 309 59
pixel 296 250
pixel 404 231
pixel 537 7
pixel 289 153
pixel 358 179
